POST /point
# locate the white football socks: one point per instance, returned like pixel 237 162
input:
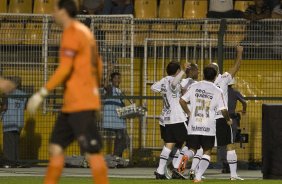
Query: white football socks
pixel 232 161
pixel 196 159
pixel 175 158
pixel 163 160
pixel 177 162
pixel 203 165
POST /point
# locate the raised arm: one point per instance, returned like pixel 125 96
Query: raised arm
pixel 176 79
pixel 237 64
pixel 243 102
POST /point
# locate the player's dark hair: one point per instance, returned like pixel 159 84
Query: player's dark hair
pixel 209 73
pixel 70 7
pixel 112 76
pixel 172 68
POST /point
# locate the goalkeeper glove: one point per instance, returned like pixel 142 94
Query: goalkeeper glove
pixel 36 99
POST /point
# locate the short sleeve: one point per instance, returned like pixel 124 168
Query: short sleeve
pixel 221 104
pixel 183 83
pixel 156 87
pixel 226 77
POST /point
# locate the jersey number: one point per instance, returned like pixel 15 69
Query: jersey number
pixel 166 104
pixel 202 108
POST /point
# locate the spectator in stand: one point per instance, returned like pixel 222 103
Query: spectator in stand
pixel 92 7
pixel 277 11
pixel 260 10
pixel 272 3
pixel 115 7
pixel 223 9
pixel 277 33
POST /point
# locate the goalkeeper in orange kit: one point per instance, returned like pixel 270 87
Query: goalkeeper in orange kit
pixel 80 71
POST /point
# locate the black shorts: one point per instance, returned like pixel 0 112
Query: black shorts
pixel 174 133
pixel 162 130
pixel 197 141
pixel 223 133
pixel 80 126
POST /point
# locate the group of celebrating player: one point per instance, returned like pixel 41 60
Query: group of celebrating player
pixel 195 113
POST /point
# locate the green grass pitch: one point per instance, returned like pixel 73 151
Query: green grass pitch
pixel 76 180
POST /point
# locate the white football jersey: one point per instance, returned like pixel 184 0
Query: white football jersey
pixel 222 82
pixel 185 83
pixel 205 99
pixel 172 112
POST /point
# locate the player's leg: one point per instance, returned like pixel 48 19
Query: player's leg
pixel 195 163
pixel 86 132
pixel 196 159
pixel 160 173
pixel 181 134
pixel 166 137
pixel 221 157
pixel 224 137
pixel 178 156
pixel 186 155
pixel 231 155
pixel 61 137
pixel 174 133
pixel 232 161
pixel 179 163
pixel 176 153
pixel 207 143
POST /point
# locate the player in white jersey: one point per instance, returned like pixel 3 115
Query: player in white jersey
pixel 205 99
pixel 224 134
pixel 223 131
pixel 192 72
pixel 172 118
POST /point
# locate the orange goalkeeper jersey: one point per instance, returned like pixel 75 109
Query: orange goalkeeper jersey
pixel 80 69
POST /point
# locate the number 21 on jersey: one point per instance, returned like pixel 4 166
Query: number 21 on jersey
pixel 202 108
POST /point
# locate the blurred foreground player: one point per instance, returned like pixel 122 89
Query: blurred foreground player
pixel 80 71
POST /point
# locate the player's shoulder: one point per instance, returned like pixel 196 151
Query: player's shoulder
pixel 168 78
pixel 195 85
pixel 216 88
pixel 161 81
pixel 225 75
pixel 80 30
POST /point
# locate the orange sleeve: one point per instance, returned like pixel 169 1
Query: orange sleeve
pixel 68 51
pixel 60 75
